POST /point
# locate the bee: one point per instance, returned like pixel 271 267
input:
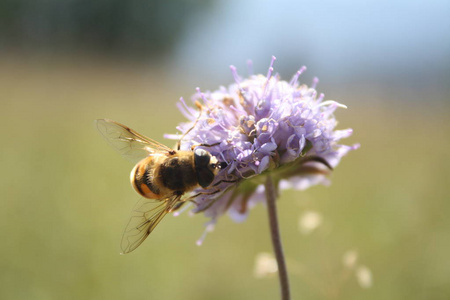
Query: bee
pixel 162 176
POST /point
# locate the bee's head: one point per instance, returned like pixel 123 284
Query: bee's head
pixel 206 167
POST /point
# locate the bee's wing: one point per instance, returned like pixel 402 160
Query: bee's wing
pixel 144 218
pixel 128 142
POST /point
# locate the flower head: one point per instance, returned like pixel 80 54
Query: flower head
pixel 258 125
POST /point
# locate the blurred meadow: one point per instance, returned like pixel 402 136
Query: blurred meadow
pixel 66 197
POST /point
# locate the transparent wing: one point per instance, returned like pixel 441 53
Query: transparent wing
pixel 128 142
pixel 144 218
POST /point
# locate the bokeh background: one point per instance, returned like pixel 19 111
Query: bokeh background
pixel 65 195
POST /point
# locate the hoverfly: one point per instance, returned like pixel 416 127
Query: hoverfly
pixel 161 174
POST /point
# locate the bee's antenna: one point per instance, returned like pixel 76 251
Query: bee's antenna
pixel 195 123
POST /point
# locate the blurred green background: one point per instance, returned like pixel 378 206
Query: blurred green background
pixel 65 194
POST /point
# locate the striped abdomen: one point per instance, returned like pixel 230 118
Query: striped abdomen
pixel 161 176
pixel 143 180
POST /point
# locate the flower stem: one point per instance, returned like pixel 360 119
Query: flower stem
pixel 276 239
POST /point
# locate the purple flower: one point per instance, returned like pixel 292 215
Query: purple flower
pixel 258 125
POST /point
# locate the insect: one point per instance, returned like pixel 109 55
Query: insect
pixel 162 176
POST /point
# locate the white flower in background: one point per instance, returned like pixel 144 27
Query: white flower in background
pixel 364 276
pixel 350 258
pixel 309 221
pixel 265 265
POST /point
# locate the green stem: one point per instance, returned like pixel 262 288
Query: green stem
pixel 276 239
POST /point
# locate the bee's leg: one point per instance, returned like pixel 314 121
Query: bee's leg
pixel 204 145
pixel 200 194
pixel 195 123
pixel 191 198
pixel 177 206
pixel 209 204
pixel 227 181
